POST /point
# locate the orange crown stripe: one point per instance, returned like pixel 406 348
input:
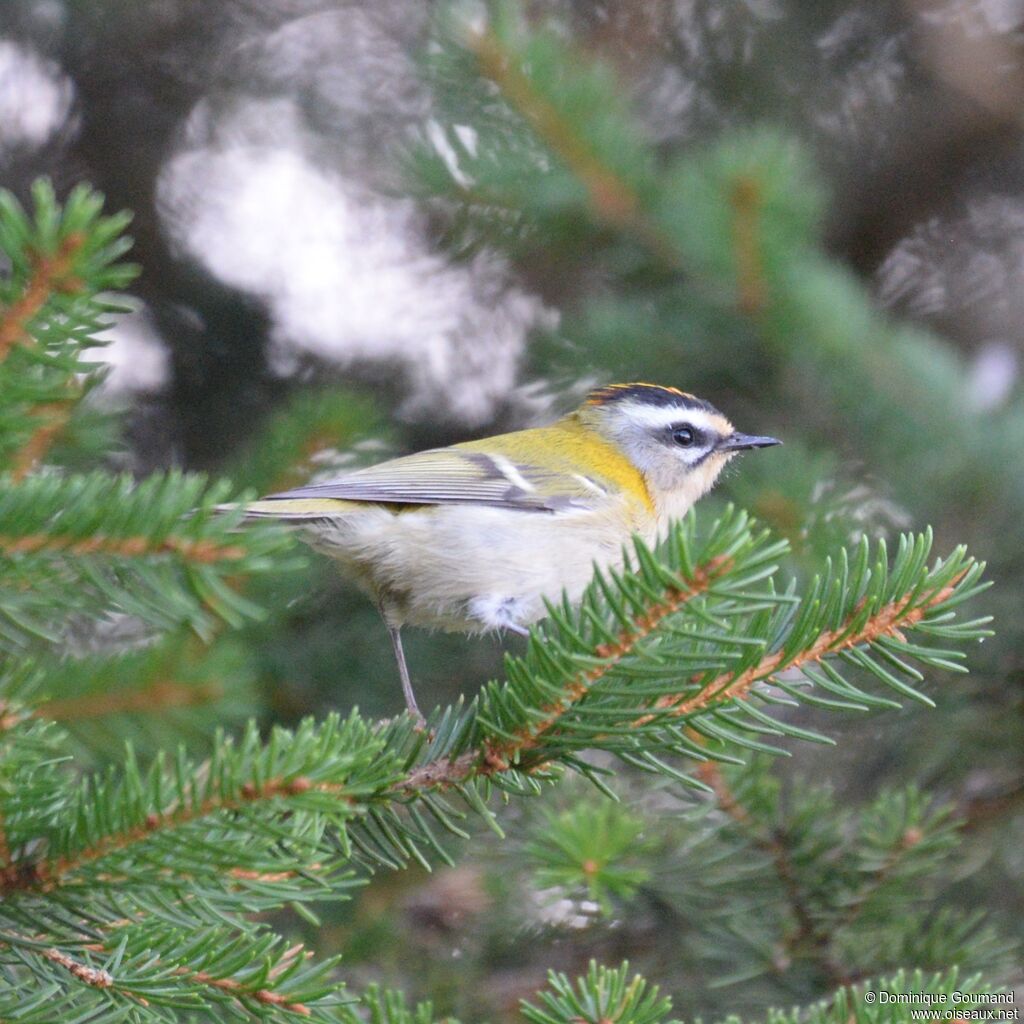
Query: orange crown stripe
pixel 655 393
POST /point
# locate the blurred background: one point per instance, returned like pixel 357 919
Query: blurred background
pixel 315 292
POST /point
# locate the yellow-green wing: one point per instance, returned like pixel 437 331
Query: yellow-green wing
pixel 459 476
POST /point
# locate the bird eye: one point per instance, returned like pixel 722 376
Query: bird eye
pixel 683 436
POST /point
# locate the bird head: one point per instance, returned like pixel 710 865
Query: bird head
pixel 680 443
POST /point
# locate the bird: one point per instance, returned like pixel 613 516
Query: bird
pixel 475 537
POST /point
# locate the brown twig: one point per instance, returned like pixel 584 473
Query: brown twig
pixel 201 551
pixel 51 274
pixel 242 992
pixel 49 874
pixel 154 698
pixel 746 202
pixel 94 976
pixel 53 417
pixel 246 875
pixel 889 620
pixel 100 978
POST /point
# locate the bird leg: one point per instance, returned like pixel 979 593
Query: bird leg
pixel 403 670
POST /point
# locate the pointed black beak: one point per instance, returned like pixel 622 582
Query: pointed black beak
pixel 737 442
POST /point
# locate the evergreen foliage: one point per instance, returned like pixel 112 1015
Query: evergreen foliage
pixel 139 890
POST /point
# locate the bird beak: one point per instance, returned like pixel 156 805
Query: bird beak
pixel 737 442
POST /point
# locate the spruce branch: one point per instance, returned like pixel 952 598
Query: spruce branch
pixel 587 673
pixel 606 675
pixel 724 217
pixel 612 198
pixel 63 260
pixel 841 894
pixel 604 996
pixel 51 418
pixel 244 993
pixel 388 1006
pixel 809 932
pixel 243 971
pixel 50 275
pixel 578 117
pixel 227 825
pixel 201 552
pixel 166 555
pixel 590 846
pixel 575 689
pixel 887 623
pixel 161 689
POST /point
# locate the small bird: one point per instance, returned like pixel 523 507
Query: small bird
pixel 474 537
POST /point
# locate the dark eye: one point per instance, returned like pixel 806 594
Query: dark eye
pixel 684 436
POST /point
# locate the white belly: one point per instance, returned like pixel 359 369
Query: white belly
pixel 474 568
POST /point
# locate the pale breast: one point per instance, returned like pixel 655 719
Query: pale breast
pixel 472 569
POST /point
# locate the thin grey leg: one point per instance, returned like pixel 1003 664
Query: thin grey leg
pixel 403 671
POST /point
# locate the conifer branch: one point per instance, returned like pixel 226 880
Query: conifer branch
pixel 773 843
pixel 51 274
pixel 888 621
pixel 872 885
pixel 241 992
pixel 603 996
pixel 571 107
pixel 611 197
pixel 167 557
pixel 52 419
pixel 50 874
pixel 614 199
pixel 496 755
pixel 858 629
pixel 328 769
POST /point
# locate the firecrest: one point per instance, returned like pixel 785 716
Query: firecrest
pixel 474 537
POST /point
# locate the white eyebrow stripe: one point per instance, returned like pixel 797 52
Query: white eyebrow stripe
pixel 508 470
pixel 666 416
